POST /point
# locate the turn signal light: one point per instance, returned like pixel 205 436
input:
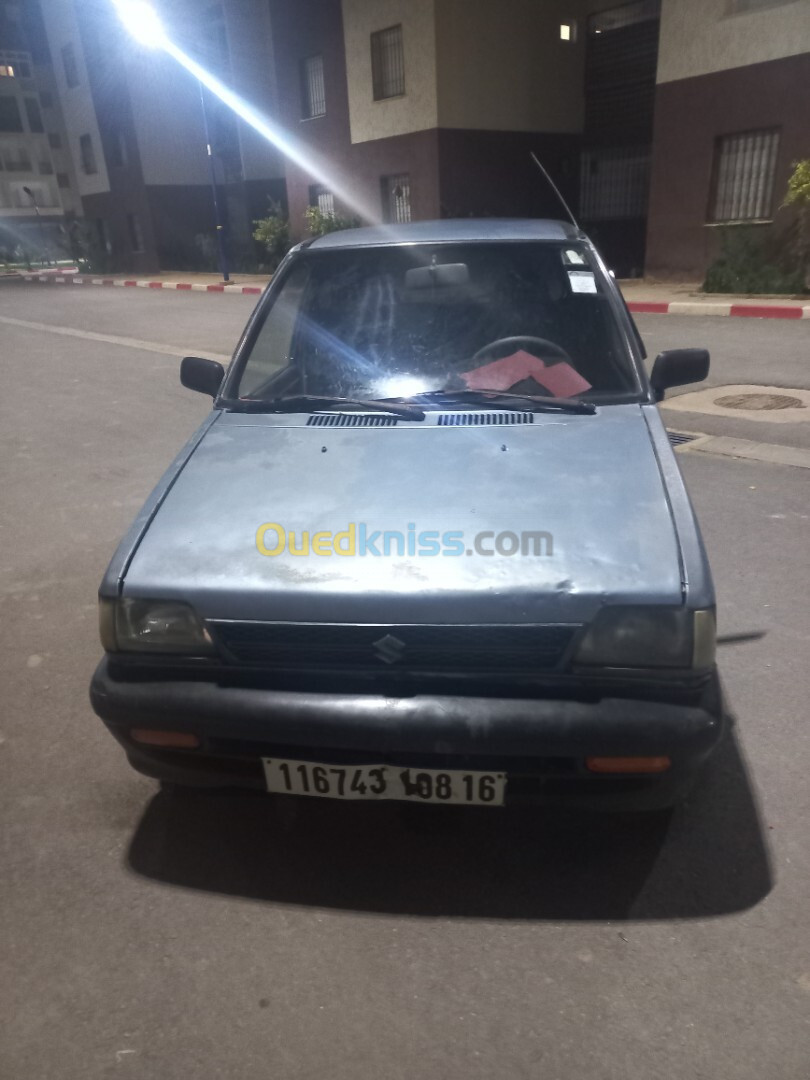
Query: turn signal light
pixel 628 764
pixel 179 740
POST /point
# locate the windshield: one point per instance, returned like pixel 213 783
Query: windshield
pixel 391 322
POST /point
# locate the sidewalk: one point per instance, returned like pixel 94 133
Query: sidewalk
pixel 179 279
pixel 664 298
pixel 645 297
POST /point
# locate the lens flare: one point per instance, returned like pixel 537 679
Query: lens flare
pixel 144 24
pixel 142 21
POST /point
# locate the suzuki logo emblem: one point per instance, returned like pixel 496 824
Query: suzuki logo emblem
pixel 389 649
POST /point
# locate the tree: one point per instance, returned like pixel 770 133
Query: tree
pixel 273 233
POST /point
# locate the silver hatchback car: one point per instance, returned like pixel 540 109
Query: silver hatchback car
pixel 431 544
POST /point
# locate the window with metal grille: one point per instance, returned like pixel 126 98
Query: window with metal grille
pixel 614 183
pixel 387 63
pixel 87 155
pixel 744 167
pixel 70 66
pixel 313 91
pixel 397 198
pixel 322 198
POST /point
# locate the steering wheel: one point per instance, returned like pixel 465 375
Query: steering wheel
pixel 543 345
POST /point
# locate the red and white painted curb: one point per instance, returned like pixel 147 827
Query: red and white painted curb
pixel 642 307
pixel 709 307
pixel 186 286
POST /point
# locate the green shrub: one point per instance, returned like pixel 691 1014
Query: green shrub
pixel 273 233
pixel 319 223
pixel 753 262
pixel 798 195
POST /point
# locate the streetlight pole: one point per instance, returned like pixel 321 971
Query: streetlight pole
pixel 223 260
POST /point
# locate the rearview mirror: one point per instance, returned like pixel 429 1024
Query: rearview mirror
pixel 437 276
pixel 197 373
pixel 677 367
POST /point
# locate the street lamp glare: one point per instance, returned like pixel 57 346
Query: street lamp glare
pixel 142 21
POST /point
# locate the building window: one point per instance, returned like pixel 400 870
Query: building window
pixel 396 192
pixel 88 155
pixel 10 119
pixel 118 157
pixel 32 112
pixel 322 198
pixel 135 234
pixel 744 167
pixel 387 63
pixel 6 71
pixel 54 141
pixel 63 180
pixel 70 66
pixel 568 31
pixel 17 160
pixel 313 91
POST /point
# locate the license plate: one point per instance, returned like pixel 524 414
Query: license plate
pixel 448 786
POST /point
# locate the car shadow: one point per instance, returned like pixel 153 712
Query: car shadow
pixel 708 857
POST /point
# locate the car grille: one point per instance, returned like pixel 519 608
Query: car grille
pixel 337 646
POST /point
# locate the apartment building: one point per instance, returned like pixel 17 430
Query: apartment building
pixel 732 114
pixel 37 181
pixel 658 119
pixel 137 128
pixel 431 108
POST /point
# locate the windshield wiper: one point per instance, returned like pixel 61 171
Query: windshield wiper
pixel 317 402
pixel 521 402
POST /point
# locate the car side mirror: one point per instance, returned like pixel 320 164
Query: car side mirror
pixel 203 375
pixel 677 367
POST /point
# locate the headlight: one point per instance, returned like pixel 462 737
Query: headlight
pixel 159 626
pixel 649 637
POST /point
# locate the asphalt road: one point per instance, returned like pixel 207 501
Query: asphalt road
pixel 150 936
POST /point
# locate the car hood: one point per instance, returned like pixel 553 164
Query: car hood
pixel 591 482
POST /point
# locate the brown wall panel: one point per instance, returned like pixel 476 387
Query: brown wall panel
pixel 689 116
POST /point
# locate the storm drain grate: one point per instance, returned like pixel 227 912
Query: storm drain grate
pixel 759 402
pixel 678 438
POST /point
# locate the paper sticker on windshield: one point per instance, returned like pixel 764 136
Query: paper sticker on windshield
pixel 582 281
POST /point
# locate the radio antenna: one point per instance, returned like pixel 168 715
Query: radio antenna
pixel 555 189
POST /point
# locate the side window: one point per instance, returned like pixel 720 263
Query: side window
pixel 272 349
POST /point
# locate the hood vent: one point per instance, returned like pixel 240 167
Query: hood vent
pixel 472 419
pixel 351 420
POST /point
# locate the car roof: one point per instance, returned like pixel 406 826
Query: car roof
pixel 449 231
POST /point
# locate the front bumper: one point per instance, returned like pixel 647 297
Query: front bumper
pixel 541 742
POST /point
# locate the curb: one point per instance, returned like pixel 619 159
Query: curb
pixel 185 286
pixel 641 307
pixel 697 307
